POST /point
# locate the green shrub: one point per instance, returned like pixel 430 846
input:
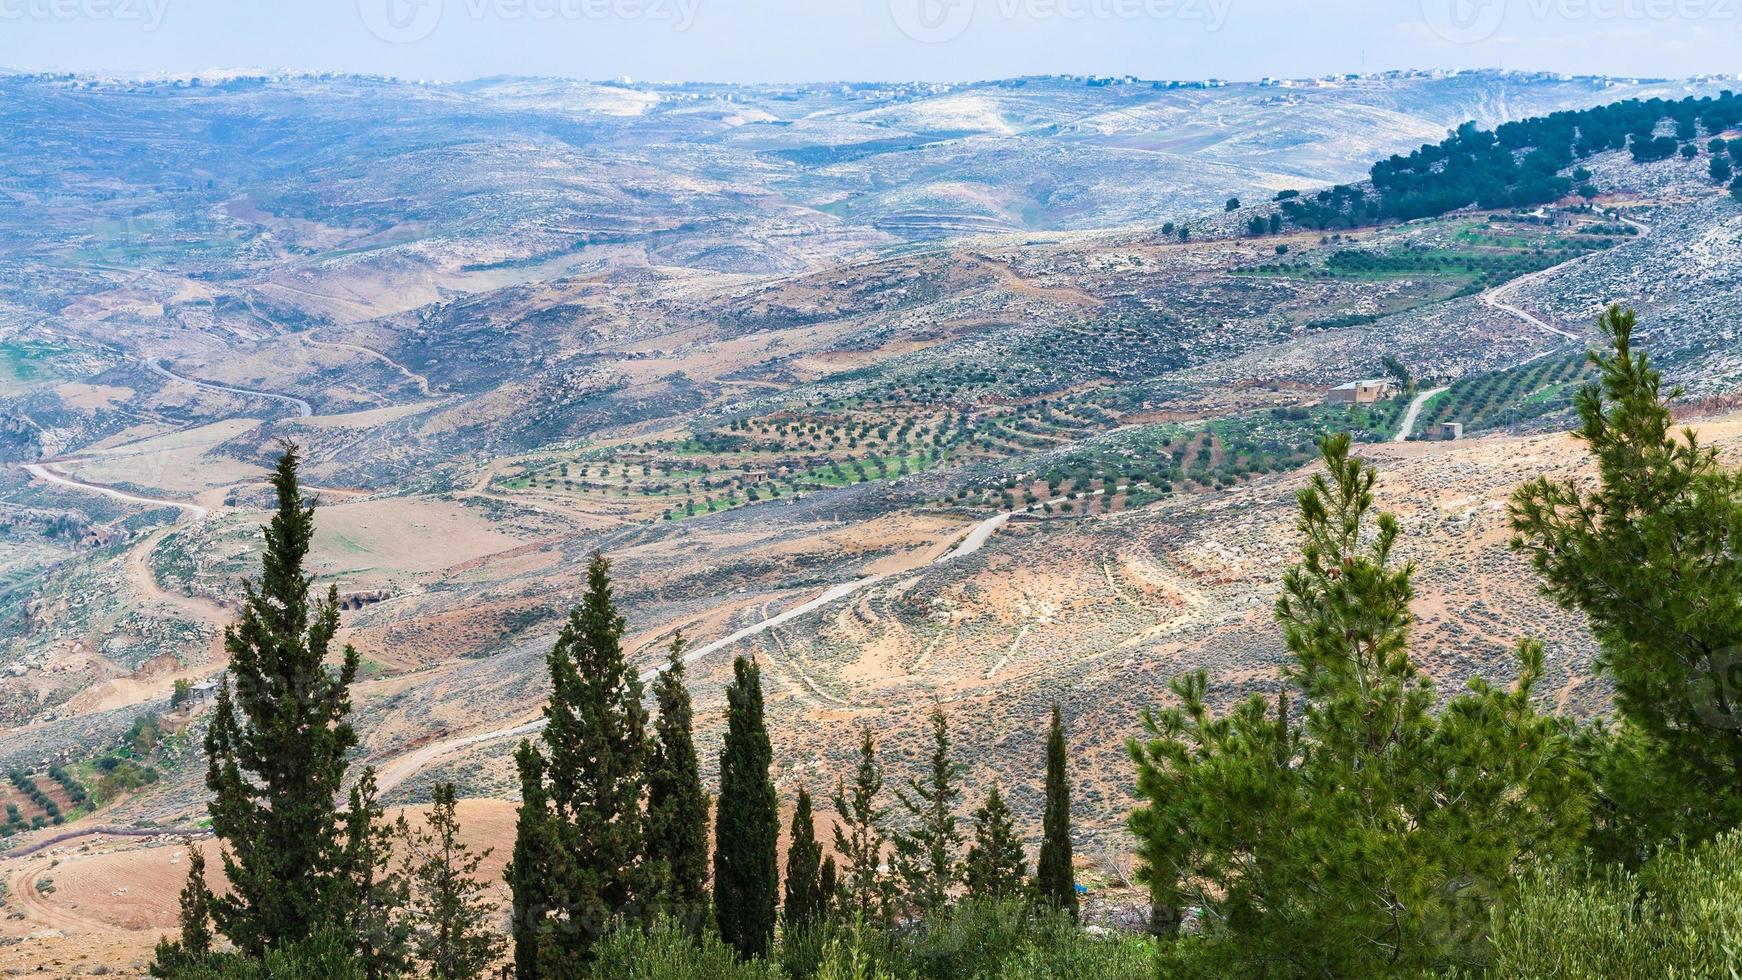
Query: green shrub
pixel 318 958
pixel 667 953
pixel 849 961
pixel 1079 956
pixel 973 938
pixel 123 776
pixel 831 948
pixel 1677 918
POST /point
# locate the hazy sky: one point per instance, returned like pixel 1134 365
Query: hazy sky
pixel 807 40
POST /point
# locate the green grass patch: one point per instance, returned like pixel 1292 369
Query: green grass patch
pixel 350 544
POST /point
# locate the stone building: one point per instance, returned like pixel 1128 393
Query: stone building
pixel 1361 392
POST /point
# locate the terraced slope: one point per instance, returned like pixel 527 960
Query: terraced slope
pixel 979 396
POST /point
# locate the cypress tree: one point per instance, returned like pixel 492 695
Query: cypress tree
pixel 829 885
pixel 925 854
pixel 196 907
pixel 995 866
pixel 590 843
pixel 530 886
pixel 1054 878
pixel 747 824
pixel 859 838
pixel 376 894
pixel 449 912
pixel 276 746
pixel 195 943
pixel 805 898
pixel 677 805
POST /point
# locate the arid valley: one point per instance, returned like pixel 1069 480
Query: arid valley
pixel 983 395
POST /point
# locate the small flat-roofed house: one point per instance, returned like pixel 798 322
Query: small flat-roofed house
pixel 1361 392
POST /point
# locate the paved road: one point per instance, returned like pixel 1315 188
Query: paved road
pixel 1493 297
pixel 53 474
pixel 976 539
pixel 1414 410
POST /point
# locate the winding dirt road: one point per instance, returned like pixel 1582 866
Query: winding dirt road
pixel 404 767
pixel 137 562
pixel 140 575
pixel 409 375
pixel 53 470
pixel 303 409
